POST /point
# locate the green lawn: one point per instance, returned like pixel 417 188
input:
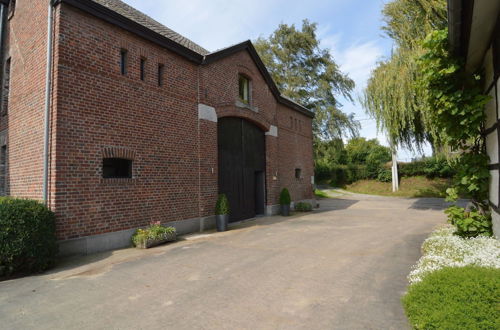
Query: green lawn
pixel 417 186
pixel 321 194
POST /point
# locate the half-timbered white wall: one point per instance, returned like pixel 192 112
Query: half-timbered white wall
pixel 491 67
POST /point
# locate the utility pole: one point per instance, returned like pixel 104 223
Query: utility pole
pixel 395 179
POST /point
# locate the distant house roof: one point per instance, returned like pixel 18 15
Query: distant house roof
pixel 118 13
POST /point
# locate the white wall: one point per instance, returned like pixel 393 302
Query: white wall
pixel 492 139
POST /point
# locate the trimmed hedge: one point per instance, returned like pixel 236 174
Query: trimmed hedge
pixel 340 175
pixel 431 167
pixel 455 298
pixel 27 236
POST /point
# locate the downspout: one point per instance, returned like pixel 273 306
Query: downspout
pixel 48 94
pixel 2 27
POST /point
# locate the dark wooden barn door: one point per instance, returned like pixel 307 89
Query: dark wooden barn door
pixel 241 167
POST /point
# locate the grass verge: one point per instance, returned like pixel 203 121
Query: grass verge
pixel 321 194
pixel 418 186
pixel 455 298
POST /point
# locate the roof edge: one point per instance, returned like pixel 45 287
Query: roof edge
pixel 459 26
pixel 114 18
pixel 248 46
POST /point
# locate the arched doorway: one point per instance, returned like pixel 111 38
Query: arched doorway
pixel 242 166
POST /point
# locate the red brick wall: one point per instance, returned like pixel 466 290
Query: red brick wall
pixel 295 151
pixel 98 108
pixel 25 43
pixel 98 111
pixel 293 147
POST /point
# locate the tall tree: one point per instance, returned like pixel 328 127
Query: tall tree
pixel 392 95
pixel 308 74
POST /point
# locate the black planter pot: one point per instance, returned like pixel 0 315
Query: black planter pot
pixel 221 221
pixel 285 210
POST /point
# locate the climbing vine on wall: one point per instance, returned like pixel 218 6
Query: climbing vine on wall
pixel 456 108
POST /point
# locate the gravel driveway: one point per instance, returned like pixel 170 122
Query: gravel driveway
pixel 343 266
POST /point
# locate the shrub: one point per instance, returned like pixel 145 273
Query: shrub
pixel 285 198
pixel 444 249
pixel 469 223
pixel 222 206
pixel 303 207
pixel 455 298
pixel 432 167
pixel 27 236
pixel 155 231
pixel 384 175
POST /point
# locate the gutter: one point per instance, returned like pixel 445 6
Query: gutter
pixel 48 101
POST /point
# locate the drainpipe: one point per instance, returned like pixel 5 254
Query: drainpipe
pixel 48 94
pixel 2 27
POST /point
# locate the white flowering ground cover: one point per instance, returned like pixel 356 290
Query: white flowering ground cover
pixel 443 249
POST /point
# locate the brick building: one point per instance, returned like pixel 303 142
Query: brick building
pixel 117 121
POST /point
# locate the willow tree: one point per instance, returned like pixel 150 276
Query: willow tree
pixel 308 74
pixel 392 95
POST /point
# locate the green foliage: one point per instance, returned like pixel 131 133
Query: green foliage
pixel 320 194
pixel 303 207
pixel 431 167
pixel 330 152
pixel 307 74
pixel 155 231
pixel 456 106
pixel 472 176
pixel 392 95
pixel 384 175
pixel 222 205
pixel 455 298
pixel 368 152
pixel 455 98
pixel 470 223
pixel 27 236
pixel 340 175
pixel 285 198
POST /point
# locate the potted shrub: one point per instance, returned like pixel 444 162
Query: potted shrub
pixel 222 213
pixel 154 234
pixel 285 201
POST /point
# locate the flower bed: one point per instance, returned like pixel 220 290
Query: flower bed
pixel 154 235
pixel 443 249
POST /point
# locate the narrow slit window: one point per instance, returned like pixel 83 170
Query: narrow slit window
pixel 123 61
pixel 3 170
pixel 113 168
pixel 244 89
pixel 298 173
pixel 5 88
pixel 161 69
pixel 143 69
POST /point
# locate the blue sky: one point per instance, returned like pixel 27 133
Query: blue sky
pixel 351 29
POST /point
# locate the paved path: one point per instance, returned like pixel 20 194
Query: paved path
pixel 342 267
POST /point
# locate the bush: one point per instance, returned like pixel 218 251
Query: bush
pixel 303 207
pixel 470 223
pixel 384 175
pixel 285 198
pixel 27 236
pixel 155 231
pixel 222 206
pixel 445 249
pixel 340 175
pixel 432 167
pixel 455 298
